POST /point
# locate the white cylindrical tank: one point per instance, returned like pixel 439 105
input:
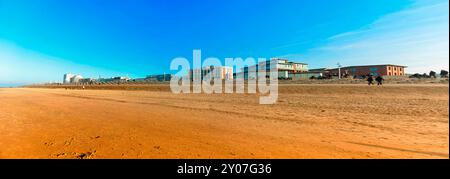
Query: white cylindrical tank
pixel 76 79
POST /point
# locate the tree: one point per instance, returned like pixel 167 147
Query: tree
pixel 433 74
pixel 444 74
pixel 417 75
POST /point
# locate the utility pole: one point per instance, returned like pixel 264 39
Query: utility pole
pixel 339 69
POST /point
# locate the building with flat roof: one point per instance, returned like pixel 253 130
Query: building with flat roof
pixel 223 72
pixel 118 79
pixel 161 77
pixel 286 69
pixel 87 80
pixel 373 70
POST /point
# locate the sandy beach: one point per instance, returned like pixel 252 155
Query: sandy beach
pixel 309 121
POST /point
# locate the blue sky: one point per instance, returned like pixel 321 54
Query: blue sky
pixel 42 39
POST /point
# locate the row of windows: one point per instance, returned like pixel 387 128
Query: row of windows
pixel 394 74
pixel 395 68
pixel 374 71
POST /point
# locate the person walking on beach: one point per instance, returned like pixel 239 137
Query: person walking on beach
pixel 379 80
pixel 370 80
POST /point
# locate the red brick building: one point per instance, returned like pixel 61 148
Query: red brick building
pixel 374 70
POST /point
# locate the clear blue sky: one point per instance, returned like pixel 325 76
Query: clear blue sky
pixel 42 39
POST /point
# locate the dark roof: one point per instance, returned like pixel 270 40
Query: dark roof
pixel 298 63
pixel 318 69
pixel 375 65
pixel 356 66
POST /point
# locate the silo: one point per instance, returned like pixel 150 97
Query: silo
pixel 76 79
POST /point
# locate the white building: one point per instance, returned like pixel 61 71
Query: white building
pixel 67 78
pixel 71 78
pixel 222 72
pixel 284 67
pixel 76 79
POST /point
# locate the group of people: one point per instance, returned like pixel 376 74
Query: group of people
pixel 379 80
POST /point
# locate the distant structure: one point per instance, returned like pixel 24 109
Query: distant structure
pixel 223 72
pixel 286 69
pixel 71 78
pixel 118 79
pixel 87 80
pixel 162 77
pixel 67 78
pixel 76 79
pixel 372 70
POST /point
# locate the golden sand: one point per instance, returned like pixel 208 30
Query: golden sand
pixel 309 121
